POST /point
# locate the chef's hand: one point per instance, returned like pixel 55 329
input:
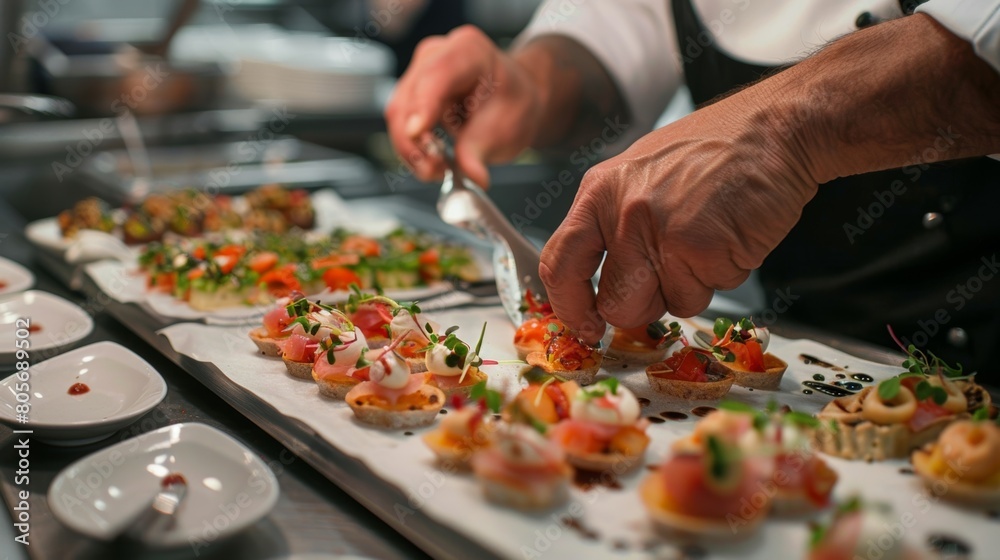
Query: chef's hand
pixel 483 96
pixel 687 210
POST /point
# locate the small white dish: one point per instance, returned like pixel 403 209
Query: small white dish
pixel 55 323
pixel 121 387
pixel 228 486
pixel 14 277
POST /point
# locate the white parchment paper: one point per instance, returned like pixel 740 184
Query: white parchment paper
pixel 616 516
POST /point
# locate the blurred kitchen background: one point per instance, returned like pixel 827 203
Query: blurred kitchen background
pixel 232 94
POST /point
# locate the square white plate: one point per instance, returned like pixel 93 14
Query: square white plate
pixel 14 277
pixel 228 486
pixel 61 323
pixel 121 387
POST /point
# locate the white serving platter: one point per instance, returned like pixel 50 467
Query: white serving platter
pixel 615 515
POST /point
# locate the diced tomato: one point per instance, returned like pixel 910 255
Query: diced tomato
pixel 569 352
pixel 195 273
pixel 281 282
pixel 333 260
pixel 262 262
pixel 340 278
pixel 361 245
pixel 199 252
pixel 535 306
pixel 687 364
pixel 430 256
pixel 430 265
pixel 559 400
pixel 163 281
pixel 748 354
pixel 372 319
pixel 232 250
pixel 226 263
pixel 535 330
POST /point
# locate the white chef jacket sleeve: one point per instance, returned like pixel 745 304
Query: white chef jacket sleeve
pixel 635 40
pixel 977 21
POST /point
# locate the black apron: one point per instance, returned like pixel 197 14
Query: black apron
pixel 920 254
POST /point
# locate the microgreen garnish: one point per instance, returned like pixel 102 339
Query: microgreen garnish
pixel 771 411
pixel 801 419
pixel 492 399
pixel 720 464
pixel 736 406
pixel 362 359
pixel 479 343
pixel 722 325
pixel 536 375
pixel 600 389
pixel 923 390
pixel 927 363
pixel 665 334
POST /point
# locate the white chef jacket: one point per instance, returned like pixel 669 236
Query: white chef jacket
pixel 636 40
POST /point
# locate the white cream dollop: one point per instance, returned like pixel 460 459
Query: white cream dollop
pixel 389 370
pixel 351 347
pixel 436 361
pixel 619 409
pixel 790 439
pixel 405 323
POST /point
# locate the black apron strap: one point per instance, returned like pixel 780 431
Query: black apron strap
pixel 914 247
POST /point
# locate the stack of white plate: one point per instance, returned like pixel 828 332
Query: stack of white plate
pixel 315 73
pixel 306 72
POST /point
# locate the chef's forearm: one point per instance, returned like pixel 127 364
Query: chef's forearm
pixel 900 93
pixel 575 91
